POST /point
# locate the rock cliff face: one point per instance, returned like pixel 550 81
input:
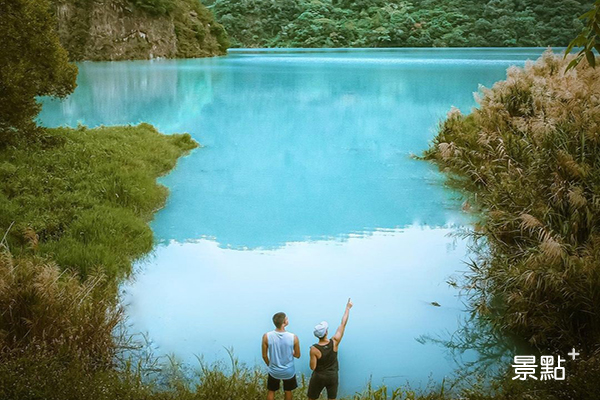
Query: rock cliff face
pixel 120 30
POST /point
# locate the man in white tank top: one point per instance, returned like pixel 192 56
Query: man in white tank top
pixel 279 348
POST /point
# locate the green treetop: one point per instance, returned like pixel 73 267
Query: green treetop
pixel 32 63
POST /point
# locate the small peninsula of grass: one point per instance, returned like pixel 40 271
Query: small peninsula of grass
pixel 83 197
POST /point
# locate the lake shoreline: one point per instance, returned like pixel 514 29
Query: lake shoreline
pixel 95 382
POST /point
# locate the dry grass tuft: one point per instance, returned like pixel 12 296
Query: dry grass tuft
pixel 54 312
pixel 529 157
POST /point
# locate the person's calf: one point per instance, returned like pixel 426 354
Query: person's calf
pixel 288 395
pixel 270 395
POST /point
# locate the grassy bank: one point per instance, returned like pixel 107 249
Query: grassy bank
pixel 528 159
pixel 84 197
pixel 74 211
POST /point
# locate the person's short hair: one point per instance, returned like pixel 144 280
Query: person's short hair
pixel 279 319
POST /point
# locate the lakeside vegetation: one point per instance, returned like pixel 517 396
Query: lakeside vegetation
pixel 75 203
pixel 84 197
pixel 399 23
pixel 528 160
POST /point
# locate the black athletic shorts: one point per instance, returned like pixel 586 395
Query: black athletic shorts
pixel 288 384
pixel 320 381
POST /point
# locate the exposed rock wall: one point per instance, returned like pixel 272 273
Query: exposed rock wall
pixel 117 30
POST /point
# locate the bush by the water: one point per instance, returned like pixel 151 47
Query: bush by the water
pixel 32 63
pixel 51 312
pixel 529 160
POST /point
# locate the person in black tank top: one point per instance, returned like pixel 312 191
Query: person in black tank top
pixel 324 361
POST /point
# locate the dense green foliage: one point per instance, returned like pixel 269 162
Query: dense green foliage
pixel 84 197
pixel 193 33
pixel 190 32
pixel 399 23
pixel 530 159
pixel 32 63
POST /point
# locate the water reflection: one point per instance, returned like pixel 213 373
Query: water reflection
pixel 199 298
pixel 297 145
pixel 304 194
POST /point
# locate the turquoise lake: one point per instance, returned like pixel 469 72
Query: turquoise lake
pixel 303 194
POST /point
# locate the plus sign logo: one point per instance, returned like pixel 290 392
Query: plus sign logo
pixel 573 354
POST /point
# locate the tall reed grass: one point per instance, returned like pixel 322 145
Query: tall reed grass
pixel 50 311
pixel 528 159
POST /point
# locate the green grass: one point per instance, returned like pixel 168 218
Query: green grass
pixel 84 197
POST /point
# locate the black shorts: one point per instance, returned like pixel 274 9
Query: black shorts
pixel 320 381
pixel 288 384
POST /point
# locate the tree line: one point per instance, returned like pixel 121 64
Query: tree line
pixel 399 23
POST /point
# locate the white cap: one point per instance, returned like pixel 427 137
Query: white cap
pixel 321 329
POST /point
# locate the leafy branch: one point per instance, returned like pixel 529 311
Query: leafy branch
pixel 588 39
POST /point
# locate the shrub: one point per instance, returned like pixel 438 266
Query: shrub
pixel 32 63
pixel 53 313
pixel 529 158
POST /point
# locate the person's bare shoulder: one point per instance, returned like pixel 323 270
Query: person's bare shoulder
pixel 336 344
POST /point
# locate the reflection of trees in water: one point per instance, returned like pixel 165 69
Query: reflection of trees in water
pixel 482 352
pixel 297 145
pixel 161 93
pixel 303 149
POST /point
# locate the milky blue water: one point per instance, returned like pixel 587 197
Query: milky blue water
pixel 303 194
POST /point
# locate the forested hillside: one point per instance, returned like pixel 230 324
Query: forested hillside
pixel 399 23
pixel 138 29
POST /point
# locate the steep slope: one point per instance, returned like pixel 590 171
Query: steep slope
pixel 138 29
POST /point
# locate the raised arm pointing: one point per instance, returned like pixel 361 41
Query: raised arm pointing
pixel 339 334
